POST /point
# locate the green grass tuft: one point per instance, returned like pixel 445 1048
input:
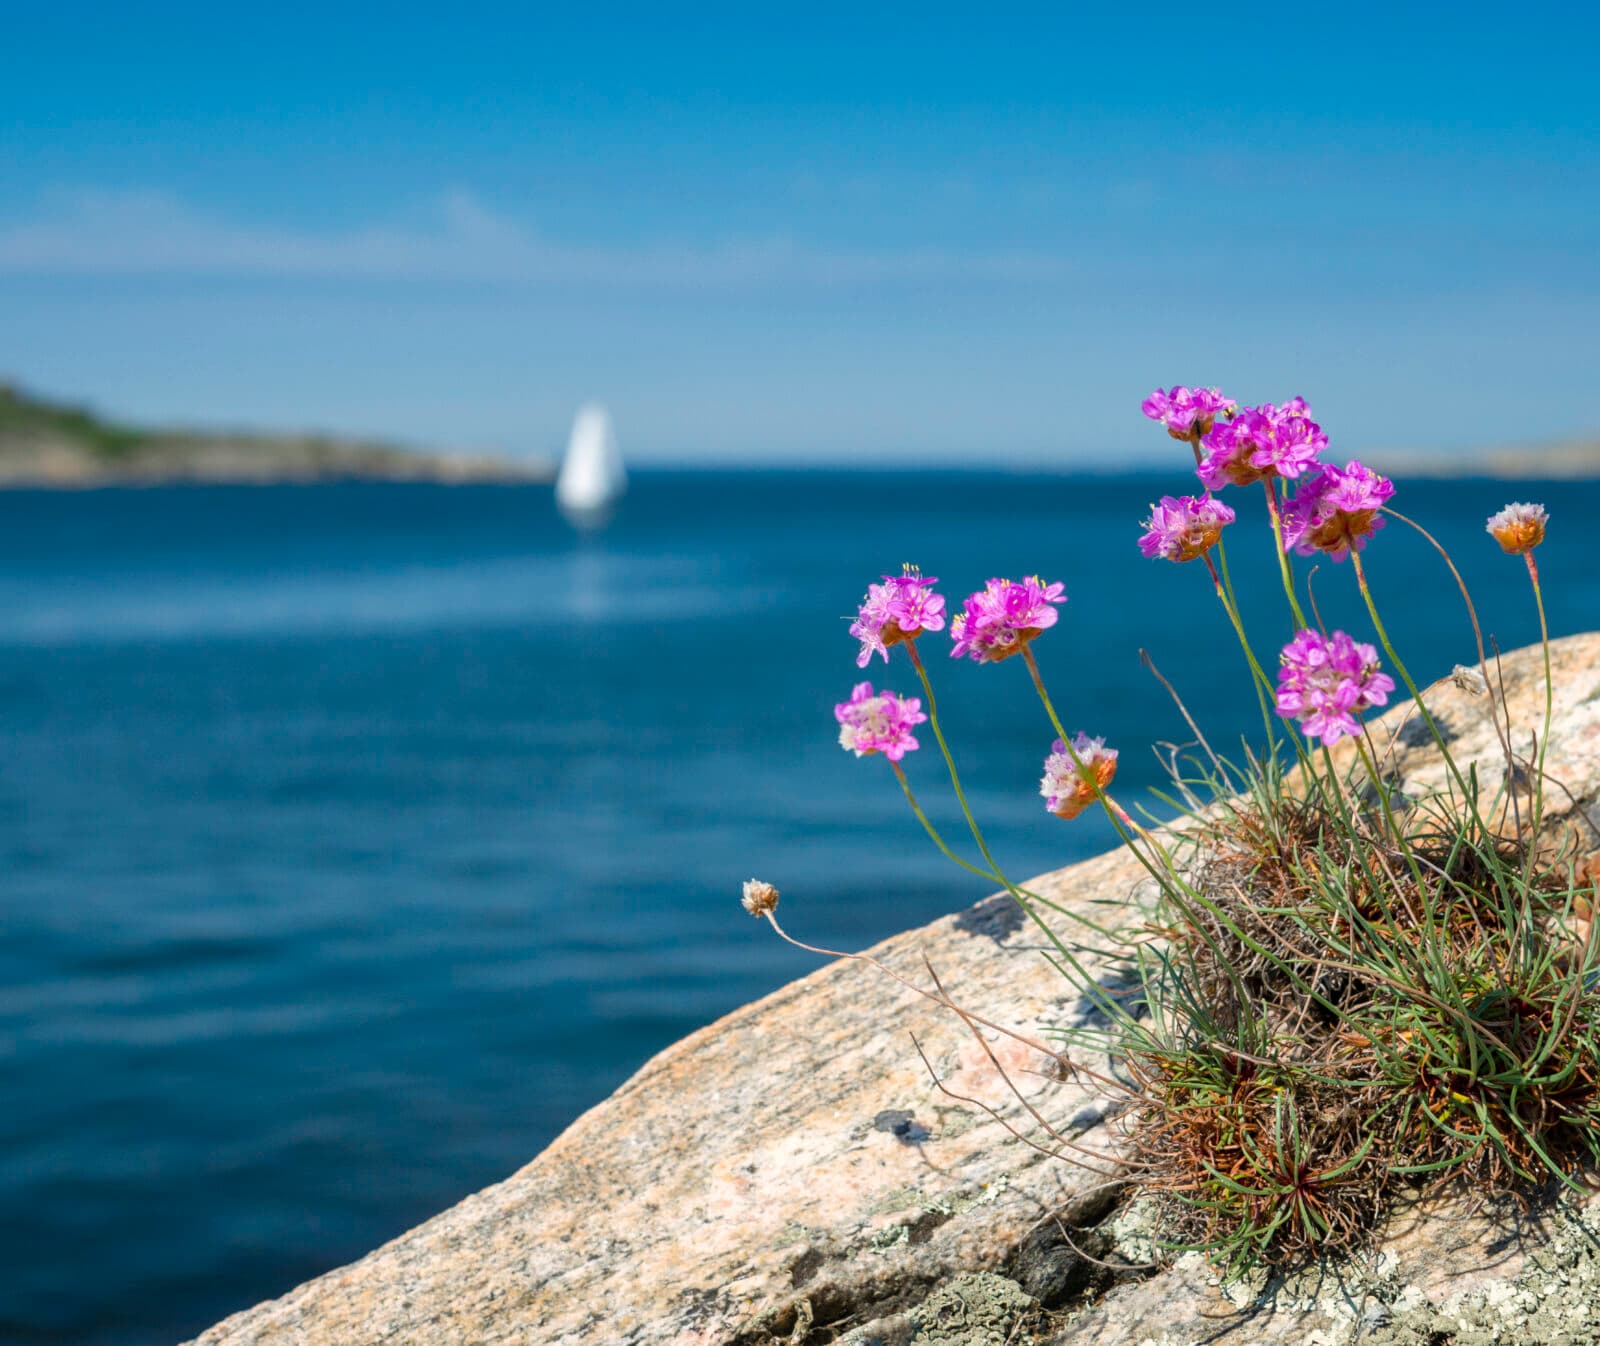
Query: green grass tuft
pixel 1340 1012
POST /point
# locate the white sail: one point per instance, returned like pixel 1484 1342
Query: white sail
pixel 592 476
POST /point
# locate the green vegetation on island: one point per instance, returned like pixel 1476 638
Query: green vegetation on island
pixel 47 443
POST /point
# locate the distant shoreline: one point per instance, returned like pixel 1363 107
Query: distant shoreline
pixel 46 445
pixel 46 472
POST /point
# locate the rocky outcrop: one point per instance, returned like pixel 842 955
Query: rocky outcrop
pixel 792 1173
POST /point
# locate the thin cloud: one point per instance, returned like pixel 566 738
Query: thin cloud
pixel 142 233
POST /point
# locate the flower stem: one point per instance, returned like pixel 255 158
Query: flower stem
pixel 930 829
pixel 1119 816
pixel 1369 760
pixel 1044 696
pixel 1405 676
pixel 933 833
pixel 1496 707
pixel 1549 694
pixel 1109 804
pixel 1258 677
pixel 1283 556
pixel 966 810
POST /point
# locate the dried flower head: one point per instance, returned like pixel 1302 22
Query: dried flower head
pixel 759 898
pixel 899 609
pixel 1519 528
pixel 1182 528
pixel 878 722
pixel 1326 681
pixel 1002 617
pixel 1070 786
pixel 1335 509
pixel 1186 411
pixel 1262 442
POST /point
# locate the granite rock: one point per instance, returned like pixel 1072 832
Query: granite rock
pixel 791 1173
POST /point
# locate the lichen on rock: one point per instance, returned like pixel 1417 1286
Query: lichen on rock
pixel 977 1310
pixel 1553 1301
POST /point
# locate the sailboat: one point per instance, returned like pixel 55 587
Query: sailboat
pixel 592 478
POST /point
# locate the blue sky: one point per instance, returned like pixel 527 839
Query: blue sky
pixel 763 235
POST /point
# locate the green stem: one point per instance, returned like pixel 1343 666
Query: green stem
pixel 1283 556
pixel 1113 810
pixel 1120 820
pixel 1549 693
pixel 1171 883
pixel 1343 812
pixel 939 841
pixel 1044 696
pixel 1411 686
pixel 1378 784
pixel 966 810
pixel 1258 677
pixel 1502 732
pixel 1263 685
pixel 931 830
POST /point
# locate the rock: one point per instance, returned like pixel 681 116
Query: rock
pixel 1444 1276
pixel 791 1173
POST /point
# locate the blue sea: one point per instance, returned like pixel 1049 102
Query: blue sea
pixel 356 838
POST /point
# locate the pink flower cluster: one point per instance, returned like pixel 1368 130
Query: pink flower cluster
pixel 1071 786
pixel 1002 617
pixel 1182 528
pixel 1326 681
pixel 898 609
pixel 1335 509
pixel 878 722
pixel 1261 442
pixel 1185 411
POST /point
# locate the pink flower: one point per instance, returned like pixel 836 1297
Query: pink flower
pixel 1335 509
pixel 1326 681
pixel 1002 617
pixel 1182 528
pixel 1261 442
pixel 1071 786
pixel 898 609
pixel 878 722
pixel 1184 411
pixel 1519 528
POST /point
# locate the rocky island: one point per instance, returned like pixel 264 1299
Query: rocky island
pixel 50 444
pixel 791 1173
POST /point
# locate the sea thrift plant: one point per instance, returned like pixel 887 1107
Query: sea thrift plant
pixel 1184 528
pixel 759 898
pixel 872 722
pixel 1074 780
pixel 1002 617
pixel 900 608
pixel 1518 528
pixel 1325 682
pixel 1336 509
pixel 1344 992
pixel 1187 411
pixel 1261 443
